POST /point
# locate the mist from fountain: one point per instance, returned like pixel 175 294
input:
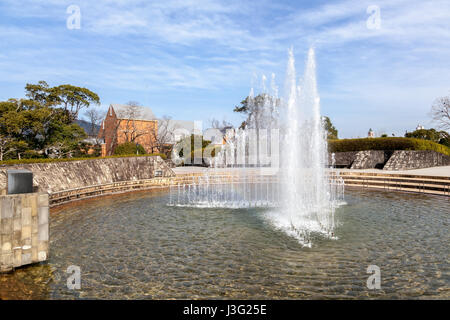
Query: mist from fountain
pixel 309 190
pixel 278 161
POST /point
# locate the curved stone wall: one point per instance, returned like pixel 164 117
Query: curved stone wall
pixel 76 180
pixel 390 159
pixel 405 160
pixel 58 176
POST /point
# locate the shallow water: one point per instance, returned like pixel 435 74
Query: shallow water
pixel 136 247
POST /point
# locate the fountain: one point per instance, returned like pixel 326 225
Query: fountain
pixel 310 193
pixel 278 160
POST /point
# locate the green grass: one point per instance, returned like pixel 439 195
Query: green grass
pixel 393 143
pixel 48 160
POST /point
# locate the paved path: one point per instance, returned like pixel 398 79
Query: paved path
pixel 186 170
pixel 433 171
pixel 189 170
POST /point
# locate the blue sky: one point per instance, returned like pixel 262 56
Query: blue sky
pixel 197 59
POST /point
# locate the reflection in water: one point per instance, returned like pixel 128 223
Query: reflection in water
pixel 136 247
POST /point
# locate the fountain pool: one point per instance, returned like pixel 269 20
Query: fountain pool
pixel 136 247
pixel 250 235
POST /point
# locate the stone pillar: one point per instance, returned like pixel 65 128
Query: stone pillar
pixel 24 221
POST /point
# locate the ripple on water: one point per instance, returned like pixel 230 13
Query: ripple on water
pixel 136 247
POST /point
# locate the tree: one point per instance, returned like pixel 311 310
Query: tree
pixel 64 140
pixel 128 116
pixel 261 111
pixel 332 132
pixel 11 147
pixel 426 134
pixel 71 98
pixel 441 137
pixel 18 147
pixel 95 118
pixel 40 93
pixel 164 135
pixel 5 146
pixel 23 120
pixel 440 111
pixel 38 125
pixel 221 125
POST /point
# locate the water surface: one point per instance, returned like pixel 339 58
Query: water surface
pixel 136 247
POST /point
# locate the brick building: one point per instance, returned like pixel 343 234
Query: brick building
pixel 125 123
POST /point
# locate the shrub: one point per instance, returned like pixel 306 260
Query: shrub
pixel 445 142
pixel 32 154
pixel 394 143
pixel 48 160
pixel 212 150
pixel 209 151
pixel 190 142
pixel 427 134
pixel 129 148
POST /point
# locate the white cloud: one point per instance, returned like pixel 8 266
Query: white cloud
pixel 213 45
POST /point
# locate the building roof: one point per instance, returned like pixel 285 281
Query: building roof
pixel 139 112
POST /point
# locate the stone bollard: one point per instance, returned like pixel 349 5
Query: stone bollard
pixel 19 181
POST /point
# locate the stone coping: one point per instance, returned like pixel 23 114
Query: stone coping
pixel 392 182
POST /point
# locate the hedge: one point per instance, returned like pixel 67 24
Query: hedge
pixel 206 152
pixel 393 143
pixel 128 148
pixel 49 160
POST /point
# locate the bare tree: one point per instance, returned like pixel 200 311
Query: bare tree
pixel 216 124
pixel 5 143
pixel 164 136
pixel 95 118
pixel 440 111
pixel 60 150
pixel 128 116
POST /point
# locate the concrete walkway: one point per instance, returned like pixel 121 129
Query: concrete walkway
pixel 193 169
pixel 433 171
pixel 190 169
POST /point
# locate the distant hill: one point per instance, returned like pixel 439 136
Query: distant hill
pixel 86 125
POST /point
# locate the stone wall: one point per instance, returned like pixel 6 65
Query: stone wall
pixel 343 159
pixel 404 160
pixel 369 159
pixel 390 160
pixel 24 229
pixel 57 176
